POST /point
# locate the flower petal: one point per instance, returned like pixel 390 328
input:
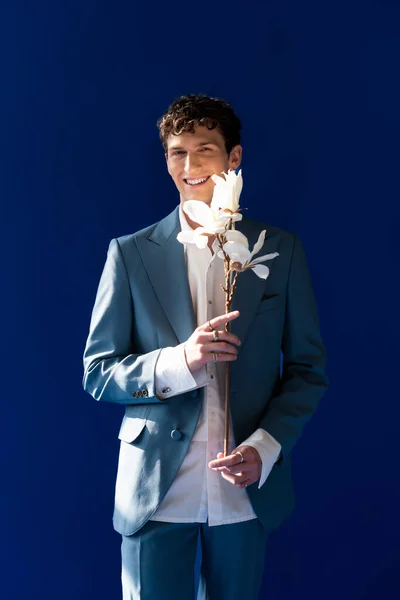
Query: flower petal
pixel 238 251
pixel 265 257
pixel 220 199
pixel 261 271
pixel 259 243
pixel 233 235
pixel 198 211
pixel 217 179
pixel 185 237
pixel 236 217
pixel 222 217
pixel 226 191
pixel 201 240
pixel 239 183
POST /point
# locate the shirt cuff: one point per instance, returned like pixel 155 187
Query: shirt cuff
pixel 172 375
pixel 268 449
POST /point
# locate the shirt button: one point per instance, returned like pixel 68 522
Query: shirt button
pixel 166 390
pixel 211 376
pixel 210 302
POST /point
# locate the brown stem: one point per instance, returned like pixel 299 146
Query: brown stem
pixel 228 301
pixel 233 286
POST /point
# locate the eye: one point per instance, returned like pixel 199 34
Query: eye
pixel 205 148
pixel 177 152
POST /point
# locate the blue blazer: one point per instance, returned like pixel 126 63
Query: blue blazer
pixel 143 304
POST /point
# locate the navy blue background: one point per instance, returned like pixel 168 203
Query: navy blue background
pixel 82 86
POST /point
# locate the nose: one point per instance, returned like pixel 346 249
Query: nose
pixel 192 163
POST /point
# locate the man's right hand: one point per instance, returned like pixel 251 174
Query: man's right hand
pixel 201 347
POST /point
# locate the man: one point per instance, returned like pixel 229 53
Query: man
pixel 157 344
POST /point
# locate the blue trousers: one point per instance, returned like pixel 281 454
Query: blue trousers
pixel 158 561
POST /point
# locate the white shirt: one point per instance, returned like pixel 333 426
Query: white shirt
pixel 199 493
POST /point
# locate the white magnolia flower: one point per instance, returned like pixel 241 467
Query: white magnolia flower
pixel 211 222
pixel 198 236
pixel 241 257
pixel 215 218
pixel 227 191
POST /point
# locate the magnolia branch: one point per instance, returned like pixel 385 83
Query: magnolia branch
pixel 220 216
pixel 230 285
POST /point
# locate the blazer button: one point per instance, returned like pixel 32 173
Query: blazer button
pixel 145 393
pixel 176 434
pixel 135 394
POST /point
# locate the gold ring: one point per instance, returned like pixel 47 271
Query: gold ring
pixel 215 357
pixel 241 456
pixel 211 327
pixel 216 337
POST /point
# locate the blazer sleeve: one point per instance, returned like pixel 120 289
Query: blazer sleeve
pixel 303 381
pixel 113 372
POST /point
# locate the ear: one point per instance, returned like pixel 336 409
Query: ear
pixel 235 157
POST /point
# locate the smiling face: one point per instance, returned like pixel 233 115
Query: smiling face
pixel 196 156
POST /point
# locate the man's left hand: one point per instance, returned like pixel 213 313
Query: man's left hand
pixel 233 469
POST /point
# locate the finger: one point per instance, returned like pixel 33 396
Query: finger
pixel 220 455
pixel 238 480
pixel 233 479
pixel 235 470
pixel 227 461
pixel 219 321
pixel 223 336
pixel 247 468
pixel 222 347
pixel 219 357
pixel 246 483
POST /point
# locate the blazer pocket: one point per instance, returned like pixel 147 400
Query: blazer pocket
pixel 130 429
pixel 268 303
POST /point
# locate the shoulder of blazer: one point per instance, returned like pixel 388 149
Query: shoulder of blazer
pixel 157 232
pixel 146 232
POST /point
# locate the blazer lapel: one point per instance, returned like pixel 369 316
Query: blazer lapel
pixel 164 260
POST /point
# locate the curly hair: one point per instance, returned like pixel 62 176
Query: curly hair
pixel 186 111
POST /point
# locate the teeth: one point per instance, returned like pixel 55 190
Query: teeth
pixel 195 181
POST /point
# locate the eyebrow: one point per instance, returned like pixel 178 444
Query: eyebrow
pixel 198 145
